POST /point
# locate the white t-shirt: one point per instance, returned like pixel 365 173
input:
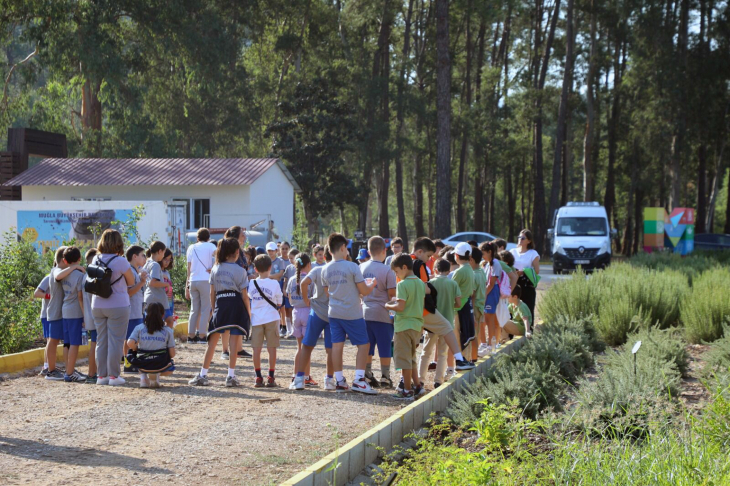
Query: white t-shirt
pixel 201 257
pixel 523 260
pixel 261 311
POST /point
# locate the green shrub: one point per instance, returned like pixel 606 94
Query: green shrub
pixel 20 324
pixel 705 309
pixel 665 345
pixel 718 358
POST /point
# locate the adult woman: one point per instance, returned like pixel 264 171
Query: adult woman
pixel 111 314
pixel 239 234
pixel 526 257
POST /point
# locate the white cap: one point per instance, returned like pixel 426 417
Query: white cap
pixel 271 246
pixel 462 249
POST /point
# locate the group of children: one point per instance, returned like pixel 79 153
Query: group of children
pixel 447 298
pixel 67 315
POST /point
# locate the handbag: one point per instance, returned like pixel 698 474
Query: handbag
pixel 502 312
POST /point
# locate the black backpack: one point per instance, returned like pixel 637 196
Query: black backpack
pixel 99 278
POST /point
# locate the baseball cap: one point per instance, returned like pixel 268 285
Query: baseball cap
pixel 260 250
pixel 363 254
pixel 271 246
pixel 462 249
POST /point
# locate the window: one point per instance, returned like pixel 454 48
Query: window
pixel 201 213
pixel 582 227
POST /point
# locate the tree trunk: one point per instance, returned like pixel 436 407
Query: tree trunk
pixel 383 79
pixel 479 201
pixel 588 180
pixel 629 230
pixel 681 120
pixel 400 132
pixel 726 230
pixel 701 189
pixel 443 121
pixel 461 188
pixel 562 114
pixel 91 116
pixel 610 198
pixel 480 179
pixel 638 222
pixel 539 218
pixel 511 207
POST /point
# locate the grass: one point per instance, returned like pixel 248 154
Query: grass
pixel 704 311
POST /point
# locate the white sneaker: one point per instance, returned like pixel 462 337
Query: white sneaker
pixel 102 381
pixel 329 383
pixel 291 385
pixel 116 381
pixel 363 386
pixel 144 380
pixel 484 350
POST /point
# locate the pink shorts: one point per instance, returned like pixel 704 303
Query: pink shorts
pixel 300 317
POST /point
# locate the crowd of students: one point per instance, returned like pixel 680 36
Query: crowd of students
pixel 459 302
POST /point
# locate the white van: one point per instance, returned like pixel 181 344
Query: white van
pixel 580 237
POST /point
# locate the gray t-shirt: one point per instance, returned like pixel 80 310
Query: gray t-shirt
pixel 493 271
pixel 55 304
pixel 318 299
pixel 228 276
pixel 341 278
pixel 277 265
pixel 388 259
pixel 136 301
pixel 89 324
pixel 44 287
pixel 153 342
pixel 72 285
pixel 373 306
pixel 289 272
pixel 154 294
pixel 294 292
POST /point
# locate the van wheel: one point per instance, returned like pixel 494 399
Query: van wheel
pixel 557 272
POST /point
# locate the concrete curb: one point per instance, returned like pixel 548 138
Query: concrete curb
pixel 349 460
pixel 12 363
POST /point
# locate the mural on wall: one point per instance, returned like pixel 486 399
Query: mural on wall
pixel 674 232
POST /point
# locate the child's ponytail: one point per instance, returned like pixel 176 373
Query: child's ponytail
pixel 156 247
pixel 154 321
pixel 301 262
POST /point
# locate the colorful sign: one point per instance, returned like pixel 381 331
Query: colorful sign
pixel 675 231
pixel 48 230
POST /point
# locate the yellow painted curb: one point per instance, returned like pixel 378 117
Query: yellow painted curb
pixel 12 363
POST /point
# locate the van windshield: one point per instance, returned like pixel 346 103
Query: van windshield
pixel 581 227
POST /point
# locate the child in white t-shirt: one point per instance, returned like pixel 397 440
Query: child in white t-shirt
pixel 266 300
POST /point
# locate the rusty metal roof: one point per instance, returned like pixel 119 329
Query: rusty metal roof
pixel 147 172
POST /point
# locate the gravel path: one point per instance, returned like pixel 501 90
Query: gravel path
pixel 61 433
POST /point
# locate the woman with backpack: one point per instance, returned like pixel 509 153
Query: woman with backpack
pixel 110 305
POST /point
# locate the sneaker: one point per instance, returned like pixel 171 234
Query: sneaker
pixel 329 383
pixel 484 350
pixel 116 381
pixel 436 385
pixel 299 383
pixel 199 380
pixel 75 377
pixel 432 366
pixel 291 383
pixel 44 372
pixel 54 375
pixel 419 391
pixel 259 382
pixel 203 340
pixel 62 369
pixel 362 386
pixel 386 382
pixel 401 394
pixel 342 386
pixel 225 356
pixel 102 380
pixel 462 365
pixel 449 375
pixel 310 382
pixel 130 369
pixel 243 354
pixel 144 380
pixel 232 381
pixel 370 378
pixel 271 382
pixel 91 379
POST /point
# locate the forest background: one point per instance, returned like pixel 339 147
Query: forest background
pixel 392 114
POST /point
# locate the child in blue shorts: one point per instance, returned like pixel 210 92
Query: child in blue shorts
pixel 41 292
pixel 72 311
pixel 344 283
pixel 136 258
pixel 377 318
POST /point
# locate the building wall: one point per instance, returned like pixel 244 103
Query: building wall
pixel 273 194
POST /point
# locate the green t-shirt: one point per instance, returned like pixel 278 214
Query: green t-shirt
pixel 447 292
pixel 413 291
pixel 464 276
pixel 519 312
pixel 480 280
pixel 506 268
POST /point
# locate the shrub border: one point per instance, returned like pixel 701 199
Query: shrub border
pixel 354 456
pixel 12 363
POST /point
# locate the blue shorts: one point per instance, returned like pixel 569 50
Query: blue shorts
pixel 168 313
pixel 46 330
pixel 287 304
pixel 72 329
pixel 355 329
pixel 490 307
pixel 235 331
pixel 55 329
pixel 381 333
pixel 315 326
pixel 131 325
pixel 92 336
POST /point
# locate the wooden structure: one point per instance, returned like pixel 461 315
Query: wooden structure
pixel 23 143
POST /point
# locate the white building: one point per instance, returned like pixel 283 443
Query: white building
pixel 215 193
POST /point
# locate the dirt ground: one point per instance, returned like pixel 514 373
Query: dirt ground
pixel 62 433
